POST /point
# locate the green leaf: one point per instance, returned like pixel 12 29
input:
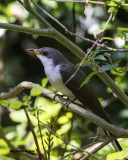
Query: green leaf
pixel 15 104
pixel 108 38
pixel 115 156
pixel 101 57
pixel 107 67
pixel 113 10
pixel 125 152
pixel 107 54
pixel 125 46
pixel 122 29
pixel 117 62
pixel 112 4
pixel 36 91
pixel 4 103
pixel 87 64
pixel 44 82
pixel 88 78
pixel 97 32
pixel 118 155
pixel 119 35
pixel 120 2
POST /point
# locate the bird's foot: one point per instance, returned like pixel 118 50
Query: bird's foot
pixel 68 102
pixel 55 97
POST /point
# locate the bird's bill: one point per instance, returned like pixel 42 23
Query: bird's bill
pixel 32 51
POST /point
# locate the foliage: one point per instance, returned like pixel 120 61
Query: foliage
pixel 61 131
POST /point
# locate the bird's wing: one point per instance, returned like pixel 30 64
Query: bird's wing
pixel 86 94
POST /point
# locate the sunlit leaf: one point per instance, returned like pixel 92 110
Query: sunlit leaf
pixel 118 155
pixel 88 78
pixel 122 29
pixel 4 103
pixel 97 32
pixel 108 38
pixel 4 149
pixel 64 128
pixel 125 46
pixel 44 82
pixel 120 35
pixel 112 4
pixel 16 104
pixel 63 119
pixel 36 91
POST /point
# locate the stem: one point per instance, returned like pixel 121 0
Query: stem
pixel 33 133
pixel 109 139
pixel 17 28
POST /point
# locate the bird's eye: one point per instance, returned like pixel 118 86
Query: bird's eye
pixel 45 53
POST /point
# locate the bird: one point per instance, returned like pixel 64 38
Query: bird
pixel 58 70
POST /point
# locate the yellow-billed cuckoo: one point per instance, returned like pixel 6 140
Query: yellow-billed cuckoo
pixel 58 70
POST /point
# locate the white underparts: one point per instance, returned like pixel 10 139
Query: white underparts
pixel 54 76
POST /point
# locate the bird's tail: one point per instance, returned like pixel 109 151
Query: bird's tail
pixel 115 143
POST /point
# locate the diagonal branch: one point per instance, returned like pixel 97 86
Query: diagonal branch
pixel 116 131
pixel 87 54
pixel 108 140
pixel 28 7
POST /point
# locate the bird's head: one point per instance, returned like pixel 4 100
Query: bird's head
pixel 47 54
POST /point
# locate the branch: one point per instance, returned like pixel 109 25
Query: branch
pixel 28 30
pixel 116 131
pixel 108 140
pixel 92 47
pixel 28 7
pixel 33 132
pixel 83 1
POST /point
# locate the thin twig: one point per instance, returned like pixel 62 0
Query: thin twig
pixel 86 55
pixel 108 140
pixel 41 133
pixel 66 142
pixel 83 1
pixel 125 68
pixel 77 150
pixel 76 35
pixel 33 132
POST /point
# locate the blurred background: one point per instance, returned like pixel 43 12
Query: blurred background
pixel 17 66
